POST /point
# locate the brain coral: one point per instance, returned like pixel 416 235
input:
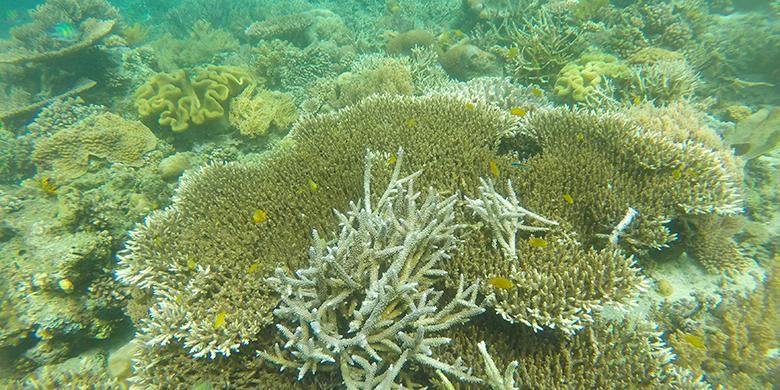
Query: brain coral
pixel 66 153
pixel 180 101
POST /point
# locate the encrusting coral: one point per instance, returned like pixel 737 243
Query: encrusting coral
pixel 65 154
pixel 180 100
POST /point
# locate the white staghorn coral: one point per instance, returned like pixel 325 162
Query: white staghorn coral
pixel 504 216
pixel 366 306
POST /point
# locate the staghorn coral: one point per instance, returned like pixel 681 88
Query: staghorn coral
pixel 65 154
pixel 543 45
pixel 254 113
pixel 181 100
pixel 378 277
pixel 585 170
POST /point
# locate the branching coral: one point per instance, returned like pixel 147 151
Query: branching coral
pixel 179 101
pixel 366 305
pixel 203 45
pixel 608 354
pixel 544 45
pixel 576 161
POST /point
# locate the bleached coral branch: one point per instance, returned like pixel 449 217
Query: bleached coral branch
pixel 504 215
pixel 366 306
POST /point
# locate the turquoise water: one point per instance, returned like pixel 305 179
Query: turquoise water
pixel 376 194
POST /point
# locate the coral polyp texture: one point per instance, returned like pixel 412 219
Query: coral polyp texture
pixel 587 170
pixel 180 100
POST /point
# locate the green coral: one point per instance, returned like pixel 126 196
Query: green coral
pixel 588 170
pixel 580 80
pixel 181 100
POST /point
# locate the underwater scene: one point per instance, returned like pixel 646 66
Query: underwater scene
pixel 386 194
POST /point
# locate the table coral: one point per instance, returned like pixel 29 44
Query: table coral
pixel 617 166
pixel 66 153
pixel 180 99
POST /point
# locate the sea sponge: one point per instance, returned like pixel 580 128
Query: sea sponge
pixel 180 101
pixel 66 153
pixel 253 112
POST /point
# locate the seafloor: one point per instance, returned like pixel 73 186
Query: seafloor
pixel 389 193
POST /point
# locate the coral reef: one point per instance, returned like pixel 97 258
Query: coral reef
pixel 378 277
pixel 465 61
pixel 501 92
pixel 66 153
pixel 191 281
pixel 254 113
pixel 60 28
pixel 180 100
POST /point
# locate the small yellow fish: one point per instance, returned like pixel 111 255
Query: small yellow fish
pixel 470 106
pixel 636 100
pixel 512 52
pixel 259 216
pixel 191 264
pixel 392 159
pixel 536 92
pixel 458 34
pixel 313 186
pixel 580 136
pixel 494 168
pixel 568 199
pixel 677 173
pixel 499 282
pixel 253 268
pixel 537 242
pixel 47 186
pixel 518 111
pixel 410 123
pixel 219 319
pixel 694 340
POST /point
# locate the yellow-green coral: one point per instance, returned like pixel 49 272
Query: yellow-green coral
pixel 580 79
pixel 66 153
pixel 254 113
pixel 181 101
